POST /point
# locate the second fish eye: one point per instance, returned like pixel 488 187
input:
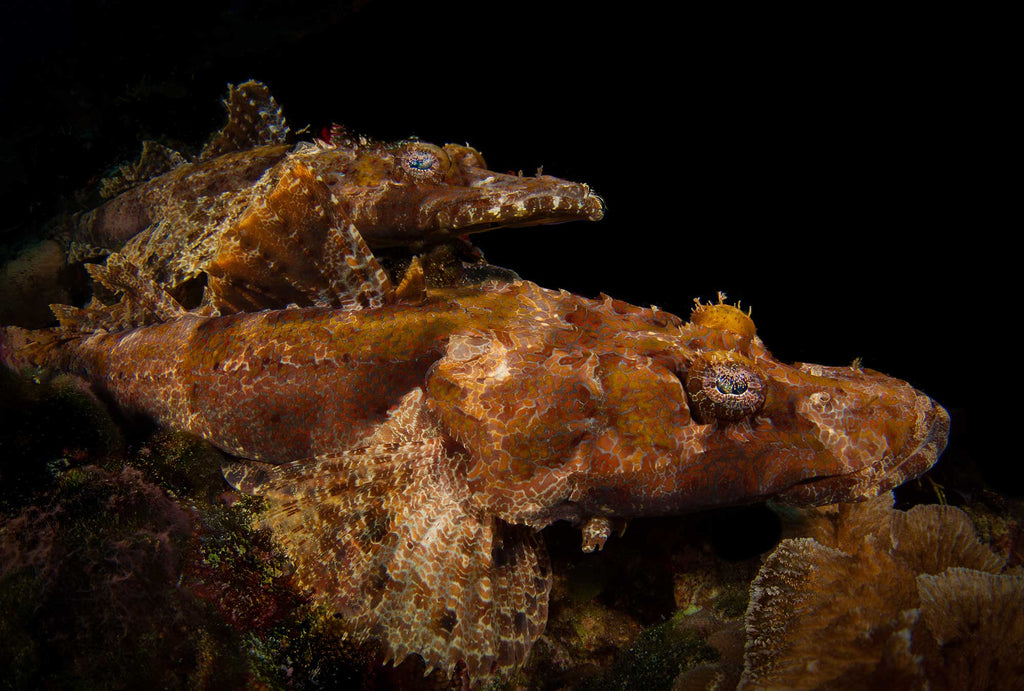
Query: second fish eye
pixel 422 161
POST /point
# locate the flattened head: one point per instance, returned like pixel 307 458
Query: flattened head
pixel 413 192
pixel 746 426
pixel 597 408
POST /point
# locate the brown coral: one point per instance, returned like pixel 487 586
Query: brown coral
pixel 30 283
pixel 879 598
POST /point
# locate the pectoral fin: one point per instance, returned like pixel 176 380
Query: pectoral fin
pixel 387 535
pixel 295 248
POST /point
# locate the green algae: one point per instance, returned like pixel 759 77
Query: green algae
pixel 732 601
pixel 658 656
pixel 123 565
pixel 184 465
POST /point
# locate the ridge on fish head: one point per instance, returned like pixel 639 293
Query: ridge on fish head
pixel 618 411
pixel 415 192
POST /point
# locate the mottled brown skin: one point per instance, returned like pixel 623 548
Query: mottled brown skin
pixel 408 194
pixel 412 193
pixel 185 189
pixel 421 441
pixel 449 193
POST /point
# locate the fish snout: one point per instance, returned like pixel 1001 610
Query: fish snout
pixel 931 436
pixel 875 441
pixel 497 201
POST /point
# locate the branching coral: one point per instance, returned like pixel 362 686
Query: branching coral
pixel 879 598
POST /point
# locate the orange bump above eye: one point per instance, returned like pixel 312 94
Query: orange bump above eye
pixel 725 318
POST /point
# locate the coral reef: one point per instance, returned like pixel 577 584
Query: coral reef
pixel 127 568
pixel 48 425
pixel 873 597
pixel 31 282
pixel 632 617
pixel 87 583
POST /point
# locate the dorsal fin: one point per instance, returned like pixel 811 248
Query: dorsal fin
pixel 413 287
pixel 143 301
pixel 295 248
pixel 155 160
pixel 254 119
pixel 96 316
pixel 342 136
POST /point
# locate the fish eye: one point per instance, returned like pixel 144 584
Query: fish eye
pixel 724 387
pixel 423 160
pixel 729 385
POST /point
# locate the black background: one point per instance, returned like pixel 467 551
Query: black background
pixel 810 166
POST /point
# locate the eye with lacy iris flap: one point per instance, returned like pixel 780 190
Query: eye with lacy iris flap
pixel 424 160
pixel 724 386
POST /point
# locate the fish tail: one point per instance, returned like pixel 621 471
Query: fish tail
pixel 23 349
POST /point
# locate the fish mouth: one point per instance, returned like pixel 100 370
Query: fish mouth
pixel 885 473
pixel 931 445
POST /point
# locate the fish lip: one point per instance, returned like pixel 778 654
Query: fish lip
pixel 929 449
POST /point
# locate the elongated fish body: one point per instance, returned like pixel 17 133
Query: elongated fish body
pixel 409 451
pixel 616 402
pixel 181 220
pixel 322 377
pixel 409 193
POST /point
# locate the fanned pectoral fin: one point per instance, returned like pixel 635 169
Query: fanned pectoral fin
pixel 387 536
pixel 295 248
pixel 143 301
